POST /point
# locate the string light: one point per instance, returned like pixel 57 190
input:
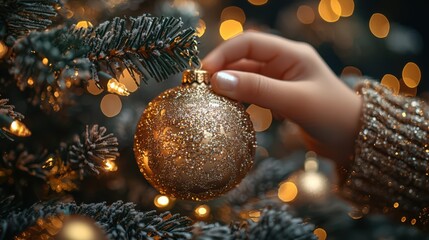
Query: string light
pixel 202 211
pixel 45 61
pixel 411 75
pixel 83 24
pixel 16 128
pixel 379 25
pixel 3 49
pixel 30 81
pixel 161 201
pixel 230 28
pixel 113 86
pixel 110 165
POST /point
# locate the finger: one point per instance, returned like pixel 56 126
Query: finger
pixel 254 46
pixel 257 89
pixel 246 65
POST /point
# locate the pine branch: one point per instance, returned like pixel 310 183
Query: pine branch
pixel 265 177
pixel 61 170
pixel 272 224
pixel 148 47
pixel 19 17
pixel 119 221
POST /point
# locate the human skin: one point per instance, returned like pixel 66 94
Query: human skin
pixel 292 80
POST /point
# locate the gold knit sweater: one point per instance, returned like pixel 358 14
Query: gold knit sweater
pixel 390 170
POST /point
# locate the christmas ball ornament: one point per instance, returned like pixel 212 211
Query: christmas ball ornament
pixel 193 144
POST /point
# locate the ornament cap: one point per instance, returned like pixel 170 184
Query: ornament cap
pixel 195 76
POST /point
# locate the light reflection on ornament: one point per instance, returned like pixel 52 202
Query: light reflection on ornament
pixel 305 14
pixel 260 117
pixel 411 75
pixel 202 211
pixel 161 201
pixel 230 28
pixel 379 25
pixel 111 105
pixel 234 13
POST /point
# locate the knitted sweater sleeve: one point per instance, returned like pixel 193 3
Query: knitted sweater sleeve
pixel 390 169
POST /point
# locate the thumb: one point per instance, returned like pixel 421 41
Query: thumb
pixel 253 88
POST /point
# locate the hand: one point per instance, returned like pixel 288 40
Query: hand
pixel 292 80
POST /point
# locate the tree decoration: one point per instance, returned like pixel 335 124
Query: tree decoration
pixel 19 17
pixel 148 47
pixel 193 144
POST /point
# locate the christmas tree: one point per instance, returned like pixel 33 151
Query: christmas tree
pixel 75 78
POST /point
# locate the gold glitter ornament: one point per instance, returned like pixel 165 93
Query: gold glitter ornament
pixel 193 144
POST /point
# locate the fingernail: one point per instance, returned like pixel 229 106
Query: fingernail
pixel 226 81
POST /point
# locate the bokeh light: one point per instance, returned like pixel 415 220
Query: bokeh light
pixel 92 88
pixel 313 183
pixel 111 105
pixel 83 24
pixel 347 7
pixel 258 2
pixel 379 25
pixel 202 211
pixel 329 10
pixel 287 191
pixel 391 82
pixel 411 75
pixel 45 61
pixel 351 71
pixel 3 49
pixel 126 79
pixel 81 230
pixel 201 28
pixel 260 117
pixel 305 14
pixel 320 233
pixel 161 201
pixel 230 28
pixel 233 13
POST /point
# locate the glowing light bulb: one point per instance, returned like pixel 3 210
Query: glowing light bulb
pixel 113 86
pixel 83 24
pixel 161 201
pixel 202 211
pixel 110 165
pixel 18 128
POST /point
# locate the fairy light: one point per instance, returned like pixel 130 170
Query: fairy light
pixel 3 49
pixel 202 211
pixel 230 28
pixel 411 75
pixel 110 165
pixel 83 24
pixel 45 61
pixel 379 25
pixel 287 191
pixel 30 81
pixel 113 86
pixel 161 201
pixel 18 129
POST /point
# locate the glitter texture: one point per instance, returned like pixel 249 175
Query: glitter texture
pixel 390 172
pixel 193 144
